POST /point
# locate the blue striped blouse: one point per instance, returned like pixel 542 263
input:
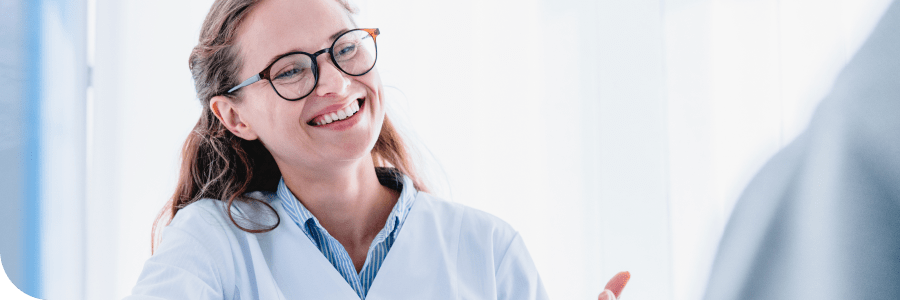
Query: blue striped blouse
pixel 334 251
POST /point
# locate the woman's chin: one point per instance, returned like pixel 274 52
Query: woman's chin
pixel 348 152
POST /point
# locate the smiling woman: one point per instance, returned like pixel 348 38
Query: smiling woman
pixel 294 183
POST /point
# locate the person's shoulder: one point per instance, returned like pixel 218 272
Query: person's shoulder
pixel 205 211
pixel 208 212
pixel 469 219
pixel 477 232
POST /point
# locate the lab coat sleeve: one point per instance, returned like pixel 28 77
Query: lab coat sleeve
pixel 517 277
pixel 189 263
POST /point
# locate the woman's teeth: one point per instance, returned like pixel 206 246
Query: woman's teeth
pixel 339 115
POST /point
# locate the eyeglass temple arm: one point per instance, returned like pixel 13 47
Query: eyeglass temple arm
pixel 374 32
pixel 247 82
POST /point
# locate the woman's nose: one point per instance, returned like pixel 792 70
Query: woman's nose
pixel 331 79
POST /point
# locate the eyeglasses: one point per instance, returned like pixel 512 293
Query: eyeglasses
pixel 295 75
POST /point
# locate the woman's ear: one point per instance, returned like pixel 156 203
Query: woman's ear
pixel 227 113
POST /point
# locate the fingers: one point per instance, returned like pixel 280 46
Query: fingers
pixel 617 284
pixel 607 295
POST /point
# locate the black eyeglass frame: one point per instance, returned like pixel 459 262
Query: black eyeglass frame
pixel 265 73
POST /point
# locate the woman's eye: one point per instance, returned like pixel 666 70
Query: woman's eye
pixel 346 51
pixel 288 74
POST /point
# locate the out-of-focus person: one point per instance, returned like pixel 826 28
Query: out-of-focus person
pixel 821 220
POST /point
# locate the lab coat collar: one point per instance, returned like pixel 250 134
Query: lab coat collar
pixel 388 177
pixel 421 262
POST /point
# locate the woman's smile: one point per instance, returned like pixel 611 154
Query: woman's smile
pixel 339 116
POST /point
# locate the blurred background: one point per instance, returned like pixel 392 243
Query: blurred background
pixel 613 134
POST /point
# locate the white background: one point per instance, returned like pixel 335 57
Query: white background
pixel 614 135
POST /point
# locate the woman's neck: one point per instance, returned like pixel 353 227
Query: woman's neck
pixel 348 200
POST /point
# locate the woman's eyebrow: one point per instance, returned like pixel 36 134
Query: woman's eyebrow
pixel 339 33
pixel 332 38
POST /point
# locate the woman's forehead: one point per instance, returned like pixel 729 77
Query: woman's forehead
pixel 276 27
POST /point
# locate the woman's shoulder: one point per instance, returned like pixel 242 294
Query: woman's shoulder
pixel 208 212
pixel 476 233
pixel 201 252
pixel 470 220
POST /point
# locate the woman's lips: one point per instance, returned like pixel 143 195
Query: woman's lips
pixel 338 115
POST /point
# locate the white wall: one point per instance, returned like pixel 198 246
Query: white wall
pixel 614 135
pixel 143 108
pixel 522 115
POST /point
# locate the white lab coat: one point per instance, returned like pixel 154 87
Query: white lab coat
pixel 444 251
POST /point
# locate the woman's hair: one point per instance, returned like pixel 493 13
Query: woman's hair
pixel 219 165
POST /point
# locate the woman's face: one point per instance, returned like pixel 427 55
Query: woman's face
pixel 276 27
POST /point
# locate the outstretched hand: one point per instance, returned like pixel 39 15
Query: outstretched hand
pixel 615 286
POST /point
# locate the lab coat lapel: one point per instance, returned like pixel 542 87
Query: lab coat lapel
pixel 300 269
pixel 422 262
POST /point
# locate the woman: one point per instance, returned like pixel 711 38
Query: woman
pixel 316 191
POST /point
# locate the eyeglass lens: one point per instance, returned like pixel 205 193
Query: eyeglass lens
pixel 293 76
